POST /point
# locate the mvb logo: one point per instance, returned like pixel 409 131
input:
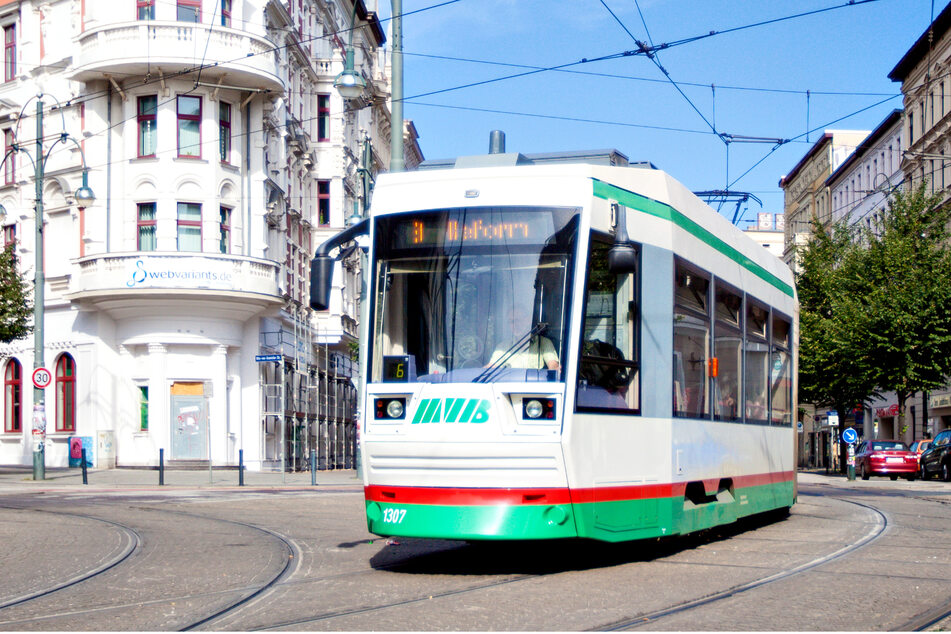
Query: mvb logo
pixel 452 410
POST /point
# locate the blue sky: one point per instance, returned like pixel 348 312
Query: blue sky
pixel 759 79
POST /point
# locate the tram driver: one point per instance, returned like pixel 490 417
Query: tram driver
pixel 538 353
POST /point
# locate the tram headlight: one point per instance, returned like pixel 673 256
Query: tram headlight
pixel 533 408
pixel 389 408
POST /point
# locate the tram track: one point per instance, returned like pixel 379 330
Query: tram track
pixel 876 530
pixel 132 545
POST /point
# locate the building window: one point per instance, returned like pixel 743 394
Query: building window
pixel 65 394
pixel 9 166
pixel 323 203
pixel 12 396
pixel 9 52
pixel 323 117
pixel 9 235
pixel 225 12
pixel 911 129
pixel 189 126
pixel 144 9
pixel 145 116
pixel 189 226
pixel 189 11
pixel 225 226
pixel 143 408
pixel 145 223
pixel 224 132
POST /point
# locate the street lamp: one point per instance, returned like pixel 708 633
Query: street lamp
pixel 84 197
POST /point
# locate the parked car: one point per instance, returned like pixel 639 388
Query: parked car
pixel 919 447
pixel 886 457
pixel 936 459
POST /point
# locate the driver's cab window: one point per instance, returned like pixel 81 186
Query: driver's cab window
pixel 608 370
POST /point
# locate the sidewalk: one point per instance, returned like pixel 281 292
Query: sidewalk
pixel 21 478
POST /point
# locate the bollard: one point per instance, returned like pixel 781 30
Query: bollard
pixel 161 467
pixel 240 467
pixel 85 476
pixel 313 468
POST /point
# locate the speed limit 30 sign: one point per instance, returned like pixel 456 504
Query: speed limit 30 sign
pixel 42 378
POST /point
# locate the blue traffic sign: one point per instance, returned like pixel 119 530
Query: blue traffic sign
pixel 849 436
pixel 267 357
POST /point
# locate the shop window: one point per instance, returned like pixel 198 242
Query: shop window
pixel 12 397
pixel 65 394
pixel 691 342
pixel 143 408
pixel 607 374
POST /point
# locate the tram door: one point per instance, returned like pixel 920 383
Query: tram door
pixel 189 424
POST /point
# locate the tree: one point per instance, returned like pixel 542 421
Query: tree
pixel 834 369
pixel 908 266
pixel 15 307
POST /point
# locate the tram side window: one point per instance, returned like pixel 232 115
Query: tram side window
pixel 728 350
pixel 691 342
pixel 757 363
pixel 607 374
pixel 781 373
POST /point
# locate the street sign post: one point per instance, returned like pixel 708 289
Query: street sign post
pixel 42 378
pixel 849 437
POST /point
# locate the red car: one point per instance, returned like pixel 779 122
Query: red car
pixel 886 457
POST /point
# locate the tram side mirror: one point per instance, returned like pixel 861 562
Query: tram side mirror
pixel 321 279
pixel 622 257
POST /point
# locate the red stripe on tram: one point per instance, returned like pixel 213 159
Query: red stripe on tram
pixel 513 496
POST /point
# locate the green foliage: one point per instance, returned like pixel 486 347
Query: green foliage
pixel 15 307
pixel 908 266
pixel 875 306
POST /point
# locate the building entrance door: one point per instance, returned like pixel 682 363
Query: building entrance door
pixel 189 428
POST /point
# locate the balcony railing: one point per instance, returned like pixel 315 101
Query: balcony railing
pixel 126 275
pixel 142 46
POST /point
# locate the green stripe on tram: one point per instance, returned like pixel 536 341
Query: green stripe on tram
pixel 613 521
pixel 666 212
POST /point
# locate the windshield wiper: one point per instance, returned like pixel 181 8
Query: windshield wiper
pixel 495 368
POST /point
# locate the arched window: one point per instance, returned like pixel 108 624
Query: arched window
pixel 12 396
pixel 65 394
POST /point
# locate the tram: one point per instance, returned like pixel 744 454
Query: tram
pixel 558 350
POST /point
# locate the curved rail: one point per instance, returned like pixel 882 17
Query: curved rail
pixel 875 531
pixel 133 543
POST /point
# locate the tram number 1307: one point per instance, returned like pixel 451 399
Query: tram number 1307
pixel 393 516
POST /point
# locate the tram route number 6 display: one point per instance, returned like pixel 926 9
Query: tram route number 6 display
pixel 42 378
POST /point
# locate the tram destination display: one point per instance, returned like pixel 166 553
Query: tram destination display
pixel 474 228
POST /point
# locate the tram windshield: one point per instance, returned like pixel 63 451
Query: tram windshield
pixel 472 294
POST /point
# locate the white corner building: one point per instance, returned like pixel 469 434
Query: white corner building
pixel 220 156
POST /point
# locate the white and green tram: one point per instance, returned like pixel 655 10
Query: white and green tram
pixel 568 350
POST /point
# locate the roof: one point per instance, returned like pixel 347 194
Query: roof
pixel 920 48
pixel 869 142
pixel 825 138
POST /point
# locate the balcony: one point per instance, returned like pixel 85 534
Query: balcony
pixel 137 48
pixel 125 284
